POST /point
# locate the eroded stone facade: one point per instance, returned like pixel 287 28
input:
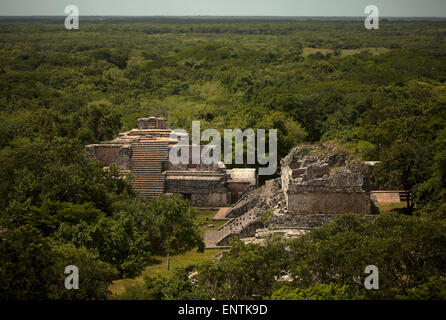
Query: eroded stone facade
pixel 320 179
pixel 317 184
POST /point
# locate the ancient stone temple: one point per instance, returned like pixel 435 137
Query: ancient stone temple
pixel 144 153
pixel 318 179
pixel 317 183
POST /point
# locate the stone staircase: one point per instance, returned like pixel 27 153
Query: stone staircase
pixel 241 207
pixel 244 226
pixel 147 157
pixel 403 196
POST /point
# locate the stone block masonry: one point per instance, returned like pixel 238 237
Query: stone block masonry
pixel 320 179
pixel 334 203
pixel 144 152
pixel 317 184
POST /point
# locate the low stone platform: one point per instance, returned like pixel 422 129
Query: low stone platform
pixel 387 196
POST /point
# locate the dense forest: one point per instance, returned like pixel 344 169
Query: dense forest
pixel 380 94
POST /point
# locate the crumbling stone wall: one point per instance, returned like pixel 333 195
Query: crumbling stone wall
pixel 320 179
pixel 317 184
pixel 123 159
pixel 119 154
pixel 215 199
pixel 192 182
pixel 329 203
pixel 202 188
pixel 201 166
pixel 151 123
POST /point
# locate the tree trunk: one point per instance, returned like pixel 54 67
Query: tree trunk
pixel 408 199
pixel 409 202
pixel 168 261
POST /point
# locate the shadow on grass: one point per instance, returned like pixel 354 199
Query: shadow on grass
pixel 155 261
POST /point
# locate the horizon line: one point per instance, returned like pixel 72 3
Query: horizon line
pixel 214 16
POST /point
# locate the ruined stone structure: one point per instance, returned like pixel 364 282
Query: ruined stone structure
pixel 317 183
pixel 318 179
pixel 144 152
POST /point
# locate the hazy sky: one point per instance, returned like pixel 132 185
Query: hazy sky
pixel 400 8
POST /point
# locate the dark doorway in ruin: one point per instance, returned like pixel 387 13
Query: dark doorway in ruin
pixel 187 196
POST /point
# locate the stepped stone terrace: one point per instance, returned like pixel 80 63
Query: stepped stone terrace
pixel 144 152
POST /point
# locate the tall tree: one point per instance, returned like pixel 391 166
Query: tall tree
pixel 400 167
pixel 178 226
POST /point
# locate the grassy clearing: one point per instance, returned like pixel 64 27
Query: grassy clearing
pixel 374 51
pixel 158 267
pixel 158 264
pixel 205 220
pixel 308 51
